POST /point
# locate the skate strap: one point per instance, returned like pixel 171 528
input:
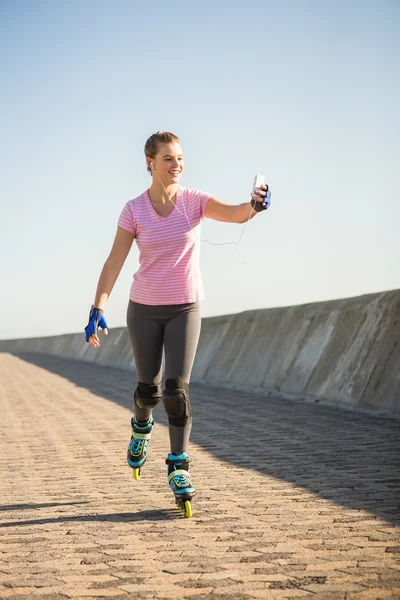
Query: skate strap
pixel 141 436
pixel 180 472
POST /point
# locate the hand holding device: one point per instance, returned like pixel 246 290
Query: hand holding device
pixel 258 202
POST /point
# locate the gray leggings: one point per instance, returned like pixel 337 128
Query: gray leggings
pixel 176 328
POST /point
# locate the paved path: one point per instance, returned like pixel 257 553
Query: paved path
pixel 294 500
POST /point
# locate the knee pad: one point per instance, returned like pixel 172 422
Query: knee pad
pixel 147 395
pixel 177 403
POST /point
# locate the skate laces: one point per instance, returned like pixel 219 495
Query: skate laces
pixel 181 479
pixel 137 446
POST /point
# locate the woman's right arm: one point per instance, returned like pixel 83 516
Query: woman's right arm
pixel 112 267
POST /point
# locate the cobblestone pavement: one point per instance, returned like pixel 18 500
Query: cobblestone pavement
pixel 294 500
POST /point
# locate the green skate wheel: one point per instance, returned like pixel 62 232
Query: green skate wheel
pixel 136 474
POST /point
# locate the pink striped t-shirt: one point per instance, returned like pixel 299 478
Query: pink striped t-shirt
pixel 169 247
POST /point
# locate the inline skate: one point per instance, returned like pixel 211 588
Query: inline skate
pixel 180 483
pixel 138 445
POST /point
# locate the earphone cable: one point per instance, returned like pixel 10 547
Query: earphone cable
pixel 237 251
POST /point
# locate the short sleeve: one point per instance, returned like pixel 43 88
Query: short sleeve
pixel 202 198
pixel 127 220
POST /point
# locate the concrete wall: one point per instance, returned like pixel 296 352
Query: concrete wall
pixel 344 351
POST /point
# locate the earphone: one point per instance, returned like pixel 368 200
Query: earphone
pixel 191 227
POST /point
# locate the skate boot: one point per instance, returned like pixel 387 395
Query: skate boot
pixel 179 481
pixel 138 445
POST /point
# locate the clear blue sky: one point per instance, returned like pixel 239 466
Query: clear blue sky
pixel 305 91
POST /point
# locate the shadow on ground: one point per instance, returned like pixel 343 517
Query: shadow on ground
pixel 15 507
pixel 144 515
pixel 350 458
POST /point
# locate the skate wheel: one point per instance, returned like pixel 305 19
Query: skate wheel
pixel 188 509
pixel 136 474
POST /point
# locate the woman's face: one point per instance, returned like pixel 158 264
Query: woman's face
pixel 168 163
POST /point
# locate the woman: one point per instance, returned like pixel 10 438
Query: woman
pixel 163 310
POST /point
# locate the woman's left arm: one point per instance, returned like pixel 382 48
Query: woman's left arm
pixel 233 213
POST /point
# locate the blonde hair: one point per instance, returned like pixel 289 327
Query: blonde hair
pixel 151 147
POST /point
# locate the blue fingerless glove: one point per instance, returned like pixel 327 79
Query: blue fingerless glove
pixel 96 320
pixel 258 205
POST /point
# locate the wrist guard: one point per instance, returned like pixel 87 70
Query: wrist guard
pixel 258 205
pixel 96 320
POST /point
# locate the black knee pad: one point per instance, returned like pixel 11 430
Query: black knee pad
pixel 177 403
pixel 147 395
